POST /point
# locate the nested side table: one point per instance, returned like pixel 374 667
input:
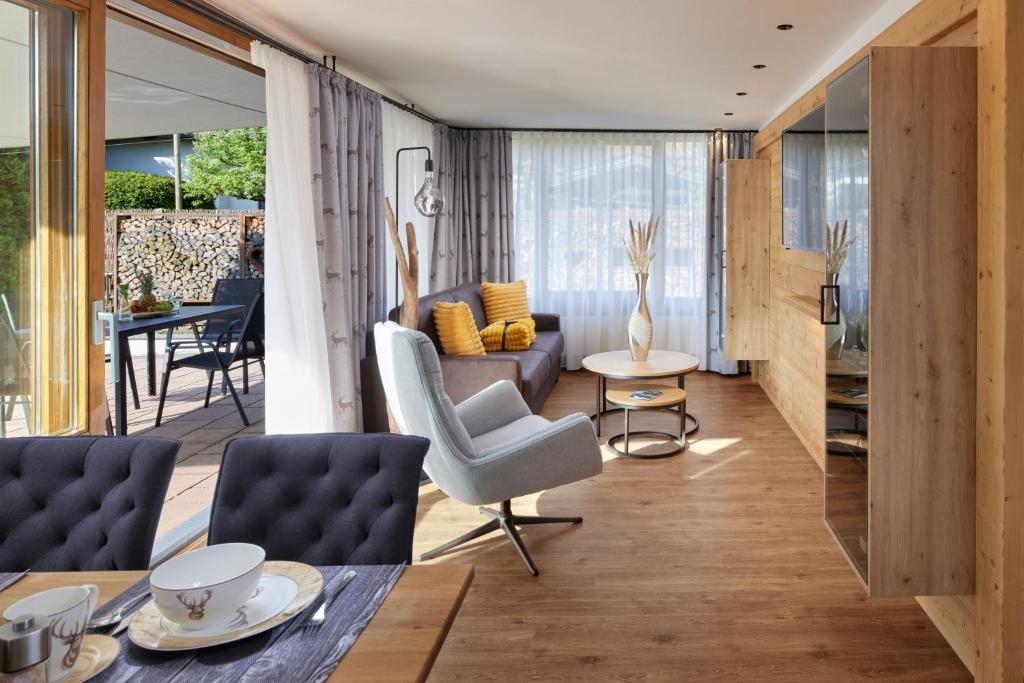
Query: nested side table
pixel 671 397
pixel 620 365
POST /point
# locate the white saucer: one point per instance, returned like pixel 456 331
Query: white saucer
pixel 273 595
pixel 286 588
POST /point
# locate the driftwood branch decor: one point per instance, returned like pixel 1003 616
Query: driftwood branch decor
pixel 408 268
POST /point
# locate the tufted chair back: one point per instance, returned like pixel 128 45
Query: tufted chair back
pixel 74 503
pixel 322 499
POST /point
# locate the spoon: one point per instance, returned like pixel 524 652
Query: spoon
pixel 117 615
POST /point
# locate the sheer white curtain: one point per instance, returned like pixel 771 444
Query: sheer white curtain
pixel 298 389
pixel 574 196
pixel 402 129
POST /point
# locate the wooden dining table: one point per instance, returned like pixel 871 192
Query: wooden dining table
pixel 399 644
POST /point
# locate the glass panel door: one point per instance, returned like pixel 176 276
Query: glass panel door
pixel 845 299
pixel 39 204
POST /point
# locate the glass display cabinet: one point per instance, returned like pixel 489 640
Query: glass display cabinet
pixel 898 308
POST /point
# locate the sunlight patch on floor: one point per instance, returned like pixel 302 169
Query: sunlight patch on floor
pixel 721 463
pixel 711 446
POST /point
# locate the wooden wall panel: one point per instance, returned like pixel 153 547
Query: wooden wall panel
pixel 923 170
pixel 747 304
pixel 1000 425
pixel 794 377
pixel 954 616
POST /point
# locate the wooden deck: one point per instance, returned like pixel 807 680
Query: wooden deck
pixel 203 432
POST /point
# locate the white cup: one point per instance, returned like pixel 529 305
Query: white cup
pixel 69 609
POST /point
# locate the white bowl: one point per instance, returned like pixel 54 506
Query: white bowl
pixel 206 587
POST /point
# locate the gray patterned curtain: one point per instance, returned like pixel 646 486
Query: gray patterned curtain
pixel 473 238
pixel 348 198
pixel 721 146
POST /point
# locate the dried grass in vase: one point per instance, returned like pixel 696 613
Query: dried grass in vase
pixel 640 244
pixel 837 246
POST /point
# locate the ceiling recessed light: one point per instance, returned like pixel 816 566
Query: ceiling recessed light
pixel 785 27
pixel 741 94
pixel 728 113
pixel 760 66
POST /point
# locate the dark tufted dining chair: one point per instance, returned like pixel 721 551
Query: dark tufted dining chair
pixel 322 499
pixel 75 503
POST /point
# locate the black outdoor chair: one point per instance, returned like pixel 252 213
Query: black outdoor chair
pixel 253 348
pixel 322 499
pixel 222 343
pixel 81 503
pixel 14 377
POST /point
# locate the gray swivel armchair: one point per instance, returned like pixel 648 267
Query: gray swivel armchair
pixel 488 449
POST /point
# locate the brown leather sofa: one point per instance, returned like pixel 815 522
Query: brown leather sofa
pixel 533 371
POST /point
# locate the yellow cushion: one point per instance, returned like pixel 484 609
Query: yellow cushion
pixel 457 329
pixel 505 301
pixel 509 335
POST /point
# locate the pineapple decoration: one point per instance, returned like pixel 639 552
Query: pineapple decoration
pixel 147 300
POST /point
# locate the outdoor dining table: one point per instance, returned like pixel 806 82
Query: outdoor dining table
pixel 400 643
pixel 186 315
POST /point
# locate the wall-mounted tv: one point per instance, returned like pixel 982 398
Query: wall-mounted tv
pixel 803 183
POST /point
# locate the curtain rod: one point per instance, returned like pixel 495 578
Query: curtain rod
pixel 219 16
pixel 614 130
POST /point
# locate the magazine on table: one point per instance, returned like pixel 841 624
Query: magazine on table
pixel 645 395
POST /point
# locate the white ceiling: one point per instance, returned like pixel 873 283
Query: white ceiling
pixel 643 64
pixel 156 87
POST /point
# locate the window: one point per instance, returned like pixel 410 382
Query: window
pixel 575 194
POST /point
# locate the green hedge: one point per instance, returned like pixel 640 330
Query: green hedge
pixel 133 191
pixel 15 225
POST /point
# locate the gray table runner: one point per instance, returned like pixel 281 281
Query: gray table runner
pixel 285 653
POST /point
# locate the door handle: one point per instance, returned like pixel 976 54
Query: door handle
pixel 107 319
pixel 836 307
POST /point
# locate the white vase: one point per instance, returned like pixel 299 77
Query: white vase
pixel 835 333
pixel 640 329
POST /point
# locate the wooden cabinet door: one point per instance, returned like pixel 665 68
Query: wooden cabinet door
pixel 746 278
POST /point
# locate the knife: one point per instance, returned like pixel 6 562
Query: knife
pixel 126 621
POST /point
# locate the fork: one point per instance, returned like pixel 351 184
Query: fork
pixel 318 616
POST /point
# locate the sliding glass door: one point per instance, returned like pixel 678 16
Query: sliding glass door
pixel 41 246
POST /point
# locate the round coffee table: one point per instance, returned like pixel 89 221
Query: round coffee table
pixel 625 397
pixel 620 365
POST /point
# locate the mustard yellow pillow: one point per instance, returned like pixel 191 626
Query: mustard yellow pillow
pixel 457 329
pixel 505 301
pixel 509 335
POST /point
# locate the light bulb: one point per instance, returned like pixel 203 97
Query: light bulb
pixel 429 201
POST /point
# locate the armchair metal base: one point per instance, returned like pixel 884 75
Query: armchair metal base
pixel 503 519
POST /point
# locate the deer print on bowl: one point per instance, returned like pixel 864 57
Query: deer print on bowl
pixel 196 605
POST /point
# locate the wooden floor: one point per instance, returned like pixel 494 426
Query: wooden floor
pixel 712 565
